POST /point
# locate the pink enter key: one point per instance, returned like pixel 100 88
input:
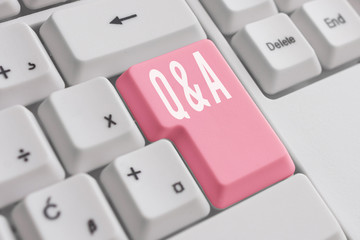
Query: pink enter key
pixel 191 97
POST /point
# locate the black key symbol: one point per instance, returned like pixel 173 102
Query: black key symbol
pixel 178 187
pixel 120 21
pixel 109 120
pixel 4 72
pixel 92 226
pixel 32 66
pixel 23 155
pixel 134 173
pixel 49 210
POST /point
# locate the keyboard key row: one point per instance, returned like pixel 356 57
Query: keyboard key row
pixel 333 49
pixel 280 57
pixel 151 189
pixel 115 40
pixel 151 207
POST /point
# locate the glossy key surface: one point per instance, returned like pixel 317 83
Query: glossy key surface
pixel 192 97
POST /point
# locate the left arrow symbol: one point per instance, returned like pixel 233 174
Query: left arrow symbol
pixel 118 20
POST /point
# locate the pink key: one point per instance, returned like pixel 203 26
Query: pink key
pixel 192 97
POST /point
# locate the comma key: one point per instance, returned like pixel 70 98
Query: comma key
pixel 192 97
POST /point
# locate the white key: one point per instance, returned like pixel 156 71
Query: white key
pixel 89 125
pixel 276 53
pixel 35 4
pixel 291 209
pixel 27 74
pixel 153 191
pixel 319 124
pixel 27 162
pixel 332 27
pixel 5 230
pixel 9 8
pixel 289 6
pixel 73 209
pixel 112 35
pixel 232 15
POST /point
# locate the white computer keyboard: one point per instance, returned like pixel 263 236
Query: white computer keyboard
pixel 135 119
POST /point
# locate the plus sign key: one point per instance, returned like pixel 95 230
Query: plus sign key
pixel 191 97
pixel 153 192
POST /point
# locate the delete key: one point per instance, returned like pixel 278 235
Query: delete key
pixel 191 97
